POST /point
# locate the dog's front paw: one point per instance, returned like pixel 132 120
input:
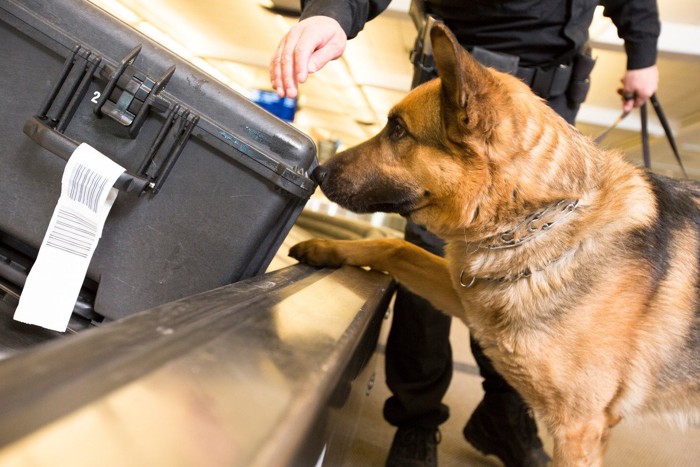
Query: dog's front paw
pixel 317 252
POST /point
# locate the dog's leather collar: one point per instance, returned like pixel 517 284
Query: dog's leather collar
pixel 532 226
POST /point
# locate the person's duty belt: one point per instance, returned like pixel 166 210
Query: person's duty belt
pixel 545 82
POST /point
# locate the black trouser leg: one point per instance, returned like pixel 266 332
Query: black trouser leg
pixel 418 353
pixel 493 381
pixel 418 363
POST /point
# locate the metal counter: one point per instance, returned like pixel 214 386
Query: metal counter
pixel 244 375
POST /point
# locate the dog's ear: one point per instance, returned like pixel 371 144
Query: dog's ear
pixel 464 80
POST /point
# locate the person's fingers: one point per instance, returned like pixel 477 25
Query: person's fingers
pixel 640 99
pixel 276 71
pixel 315 48
pixel 634 98
pixel 638 86
pixel 628 99
pixel 289 65
pixel 282 65
pixel 306 48
pixel 320 57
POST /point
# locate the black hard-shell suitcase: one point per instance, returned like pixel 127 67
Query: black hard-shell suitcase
pixel 213 183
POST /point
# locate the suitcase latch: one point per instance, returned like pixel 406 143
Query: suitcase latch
pixel 129 93
pixel 128 97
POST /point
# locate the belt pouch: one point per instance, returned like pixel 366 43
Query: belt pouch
pixel 580 81
pixel 500 61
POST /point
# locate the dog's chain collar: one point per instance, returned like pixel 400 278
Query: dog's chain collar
pixel 532 226
pixel 527 272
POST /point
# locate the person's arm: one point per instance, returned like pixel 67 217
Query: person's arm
pixel 638 24
pixel 352 15
pixel 320 36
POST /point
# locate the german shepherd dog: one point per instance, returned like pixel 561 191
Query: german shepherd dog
pixel 575 270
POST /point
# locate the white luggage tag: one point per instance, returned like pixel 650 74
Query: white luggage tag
pixel 54 282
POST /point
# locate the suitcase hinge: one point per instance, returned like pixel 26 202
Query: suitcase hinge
pixel 68 91
pixel 168 145
pixel 129 93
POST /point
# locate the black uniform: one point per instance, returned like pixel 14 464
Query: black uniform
pixel 546 36
pixel 537 31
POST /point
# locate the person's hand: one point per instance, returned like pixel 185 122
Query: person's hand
pixel 307 47
pixel 638 86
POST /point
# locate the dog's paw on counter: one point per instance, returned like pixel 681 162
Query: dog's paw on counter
pixel 317 252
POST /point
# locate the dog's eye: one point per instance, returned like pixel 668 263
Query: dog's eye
pixel 397 131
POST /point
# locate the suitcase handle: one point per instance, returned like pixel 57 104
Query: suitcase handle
pixel 63 146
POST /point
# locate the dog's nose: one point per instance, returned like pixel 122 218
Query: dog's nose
pixel 318 174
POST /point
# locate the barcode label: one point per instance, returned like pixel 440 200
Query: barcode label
pixel 54 282
pixel 86 186
pixel 72 233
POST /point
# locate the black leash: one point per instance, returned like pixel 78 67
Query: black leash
pixel 646 153
pixel 667 129
pixel 645 132
pixel 602 136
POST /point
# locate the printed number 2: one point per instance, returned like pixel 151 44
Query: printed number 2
pixel 95 96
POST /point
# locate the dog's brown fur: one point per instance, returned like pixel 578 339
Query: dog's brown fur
pixel 607 324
